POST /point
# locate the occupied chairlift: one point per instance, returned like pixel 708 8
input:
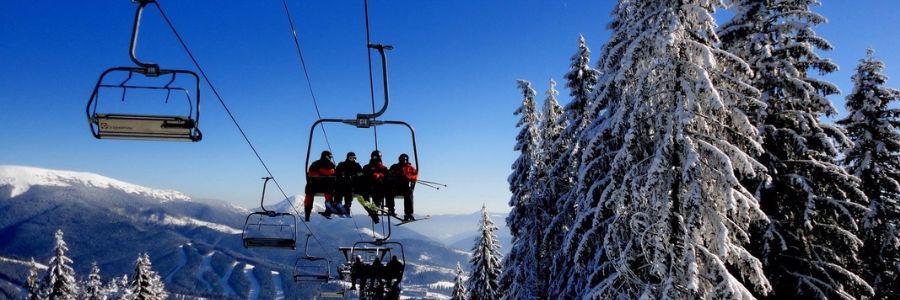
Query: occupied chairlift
pixel 268 228
pixel 142 126
pixel 368 251
pixel 323 184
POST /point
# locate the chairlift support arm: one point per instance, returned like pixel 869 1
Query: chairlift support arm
pixel 384 75
pixel 149 69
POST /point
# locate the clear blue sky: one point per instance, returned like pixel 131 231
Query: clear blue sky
pixel 453 75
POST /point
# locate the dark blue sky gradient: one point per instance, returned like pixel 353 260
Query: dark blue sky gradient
pixel 453 75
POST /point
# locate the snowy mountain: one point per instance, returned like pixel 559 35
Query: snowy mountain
pixel 194 244
pixel 459 231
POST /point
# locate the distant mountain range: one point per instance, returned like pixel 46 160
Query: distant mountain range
pixel 195 245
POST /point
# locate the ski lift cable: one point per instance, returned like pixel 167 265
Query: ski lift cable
pixel 371 80
pixel 287 12
pixel 233 118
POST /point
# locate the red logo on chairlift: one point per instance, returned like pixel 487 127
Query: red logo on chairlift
pixel 104 125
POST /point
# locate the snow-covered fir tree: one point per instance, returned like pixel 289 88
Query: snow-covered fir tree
pixel 32 284
pixel 145 283
pixel 93 287
pixel 875 159
pixel 483 283
pixel 580 80
pixel 520 184
pixel 810 247
pixel 532 249
pixel 575 267
pixel 659 186
pixel 59 283
pixel 118 288
pixel 459 285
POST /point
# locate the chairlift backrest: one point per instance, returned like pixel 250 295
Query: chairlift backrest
pixel 106 125
pixel 270 229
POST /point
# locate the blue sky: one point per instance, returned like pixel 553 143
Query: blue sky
pixel 453 75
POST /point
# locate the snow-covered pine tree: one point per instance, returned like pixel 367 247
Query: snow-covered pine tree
pixel 580 80
pixel 670 210
pixel 520 184
pixel 93 287
pixel 575 266
pixel 809 249
pixel 459 285
pixel 118 288
pixel 59 283
pixel 146 284
pixel 483 284
pixel 156 283
pixel 535 266
pixel 875 159
pixel 32 284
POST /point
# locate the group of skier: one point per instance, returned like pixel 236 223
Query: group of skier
pixel 383 281
pixel 374 182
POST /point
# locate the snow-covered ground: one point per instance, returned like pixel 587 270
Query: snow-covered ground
pixel 223 280
pixel 182 260
pixel 186 221
pixel 279 285
pixel 253 293
pixel 205 265
pixel 22 262
pixel 22 178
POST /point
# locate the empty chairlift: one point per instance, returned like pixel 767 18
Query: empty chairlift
pixel 312 268
pixel 270 229
pixel 155 86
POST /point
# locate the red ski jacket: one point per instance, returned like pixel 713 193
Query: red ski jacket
pixel 321 168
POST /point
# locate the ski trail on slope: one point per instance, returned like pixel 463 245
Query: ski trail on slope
pixel 279 285
pixel 205 264
pixel 253 293
pixel 182 261
pixel 223 281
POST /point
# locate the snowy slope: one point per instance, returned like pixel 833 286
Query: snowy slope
pixel 22 178
pixel 193 243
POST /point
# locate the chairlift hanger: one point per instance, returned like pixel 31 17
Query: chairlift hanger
pixel 271 229
pixel 145 126
pixel 312 268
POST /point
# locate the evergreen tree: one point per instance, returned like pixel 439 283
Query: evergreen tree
pixel 459 285
pixel 146 284
pixel 573 266
pixel 521 185
pixel 809 249
pixel 661 188
pixel 93 288
pixel 60 279
pixel 535 266
pixel 118 288
pixel 580 80
pixel 483 284
pixel 32 284
pixel 875 159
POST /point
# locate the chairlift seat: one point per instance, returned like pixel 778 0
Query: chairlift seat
pixel 320 184
pixel 270 230
pixel 262 242
pixel 120 126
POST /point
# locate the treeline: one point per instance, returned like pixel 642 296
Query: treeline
pixel 59 280
pixel 692 162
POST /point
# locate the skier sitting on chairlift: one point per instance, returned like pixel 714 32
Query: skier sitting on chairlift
pixel 402 179
pixel 394 271
pixel 374 189
pixel 319 168
pixel 348 173
pixel 358 274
